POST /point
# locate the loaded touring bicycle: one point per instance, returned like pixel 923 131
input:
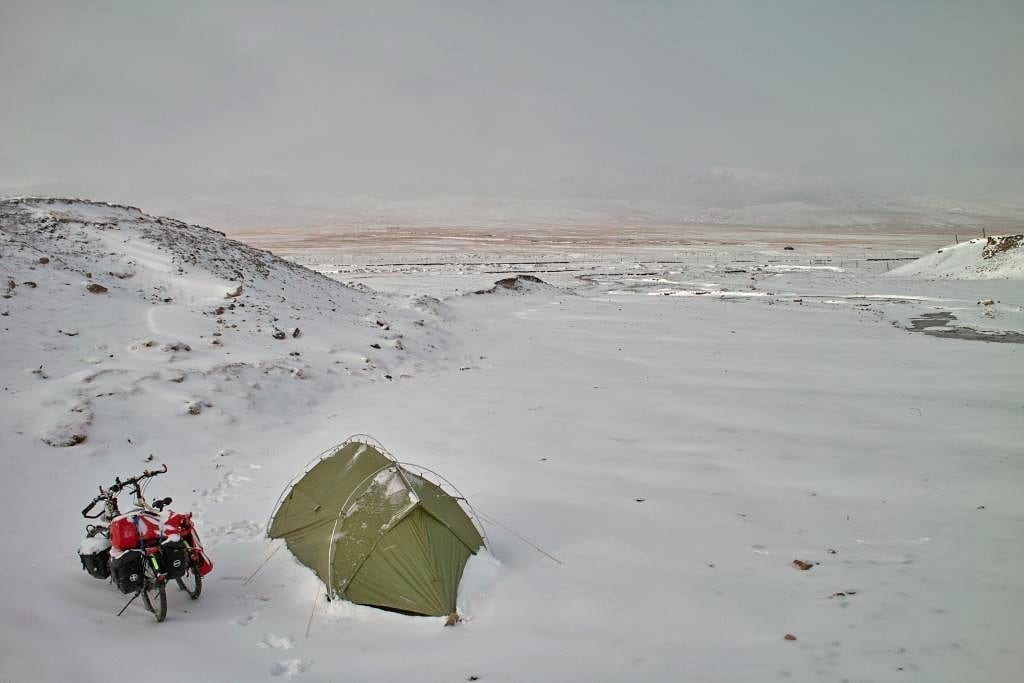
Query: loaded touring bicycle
pixel 142 549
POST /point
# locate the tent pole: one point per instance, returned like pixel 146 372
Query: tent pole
pixel 473 514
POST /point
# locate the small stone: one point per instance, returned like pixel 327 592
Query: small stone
pixel 95 288
pixel 43 260
pixel 789 636
pixel 802 565
pixel 374 346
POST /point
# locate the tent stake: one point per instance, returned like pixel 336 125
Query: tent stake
pixel 538 549
pixel 316 598
pixel 246 582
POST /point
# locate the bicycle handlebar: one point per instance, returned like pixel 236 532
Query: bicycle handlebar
pixel 116 488
pixel 134 481
pixel 90 506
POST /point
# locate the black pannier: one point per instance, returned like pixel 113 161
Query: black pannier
pixel 97 564
pixel 127 570
pixel 174 558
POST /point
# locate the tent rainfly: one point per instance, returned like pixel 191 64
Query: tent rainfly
pixel 375 532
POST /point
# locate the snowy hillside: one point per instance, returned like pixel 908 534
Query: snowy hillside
pixel 978 259
pixel 104 305
pixel 711 464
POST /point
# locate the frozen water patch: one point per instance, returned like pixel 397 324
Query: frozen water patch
pixel 803 269
pixel 714 293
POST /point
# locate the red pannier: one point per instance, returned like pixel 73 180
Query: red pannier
pixel 133 531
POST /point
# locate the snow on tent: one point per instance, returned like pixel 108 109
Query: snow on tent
pixel 376 532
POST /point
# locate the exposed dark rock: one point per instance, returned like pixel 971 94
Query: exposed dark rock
pixel 996 245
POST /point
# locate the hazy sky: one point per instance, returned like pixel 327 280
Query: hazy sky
pixel 143 101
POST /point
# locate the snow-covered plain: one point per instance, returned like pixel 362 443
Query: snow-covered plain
pixel 675 425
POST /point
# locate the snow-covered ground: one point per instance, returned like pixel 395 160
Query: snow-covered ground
pixel 676 426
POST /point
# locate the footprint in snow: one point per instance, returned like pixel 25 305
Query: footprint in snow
pixel 244 620
pixel 289 668
pixel 220 492
pixel 277 642
pixel 244 530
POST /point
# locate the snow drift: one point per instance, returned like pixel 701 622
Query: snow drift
pixel 997 257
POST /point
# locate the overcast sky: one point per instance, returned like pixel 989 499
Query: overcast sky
pixel 143 101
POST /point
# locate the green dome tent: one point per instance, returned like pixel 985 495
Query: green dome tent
pixel 375 532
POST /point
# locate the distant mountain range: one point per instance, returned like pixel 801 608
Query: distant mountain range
pixel 660 194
